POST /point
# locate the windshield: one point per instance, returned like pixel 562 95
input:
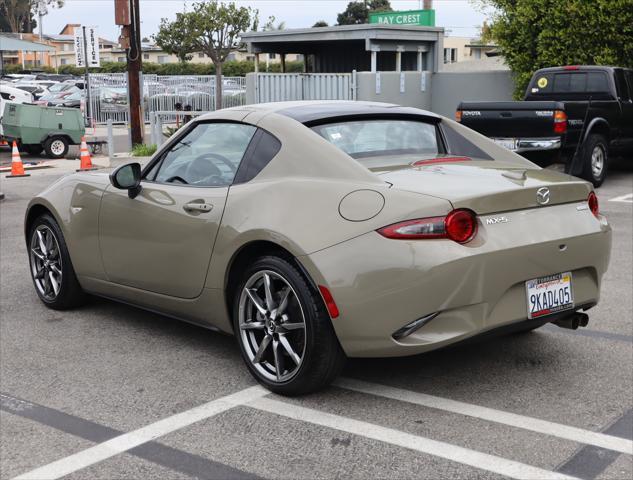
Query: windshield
pixel 379 138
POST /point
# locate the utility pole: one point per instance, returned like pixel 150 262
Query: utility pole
pixel 134 66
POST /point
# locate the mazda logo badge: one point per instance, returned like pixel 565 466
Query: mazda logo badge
pixel 542 196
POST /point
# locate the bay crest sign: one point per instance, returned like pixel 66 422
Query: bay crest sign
pixel 425 18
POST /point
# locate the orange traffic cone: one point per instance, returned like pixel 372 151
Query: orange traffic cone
pixel 86 162
pixel 17 169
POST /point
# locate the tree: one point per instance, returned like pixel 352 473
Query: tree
pixel 357 12
pixel 212 28
pixel 533 34
pixel 175 37
pixel 17 15
pixel 320 23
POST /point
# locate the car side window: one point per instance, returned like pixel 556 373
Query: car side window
pixel 208 156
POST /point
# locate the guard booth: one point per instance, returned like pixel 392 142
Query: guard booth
pixel 385 62
pixel 368 47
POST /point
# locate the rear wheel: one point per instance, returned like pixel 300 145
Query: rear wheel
pixel 283 329
pixel 51 269
pixel 595 159
pixel 56 147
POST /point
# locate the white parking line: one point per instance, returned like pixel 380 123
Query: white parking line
pixel 574 434
pixel 465 456
pixel 129 440
pixel 628 198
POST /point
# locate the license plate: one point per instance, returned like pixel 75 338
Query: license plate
pixel 509 143
pixel 548 295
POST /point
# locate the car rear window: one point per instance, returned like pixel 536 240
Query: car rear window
pixel 569 82
pixel 381 137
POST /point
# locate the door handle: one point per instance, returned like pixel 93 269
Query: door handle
pixel 197 207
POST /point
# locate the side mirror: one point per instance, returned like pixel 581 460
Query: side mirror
pixel 127 177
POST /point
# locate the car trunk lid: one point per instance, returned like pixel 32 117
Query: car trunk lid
pixel 486 186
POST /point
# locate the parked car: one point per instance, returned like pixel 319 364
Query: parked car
pixel 74 100
pixel 315 231
pixel 34 89
pixel 579 114
pixel 57 93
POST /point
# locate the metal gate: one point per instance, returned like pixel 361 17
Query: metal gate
pixel 109 95
pixel 279 87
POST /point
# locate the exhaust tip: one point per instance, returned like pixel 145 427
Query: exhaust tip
pixel 573 321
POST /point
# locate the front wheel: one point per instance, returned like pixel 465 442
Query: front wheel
pixel 51 269
pixel 283 329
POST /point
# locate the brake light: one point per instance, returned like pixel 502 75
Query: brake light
pixel 458 115
pixel 571 67
pixel 431 161
pixel 329 301
pixel 459 225
pixel 592 200
pixel 560 122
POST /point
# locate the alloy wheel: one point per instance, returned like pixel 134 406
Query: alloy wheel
pixel 272 326
pixel 46 262
pixel 597 161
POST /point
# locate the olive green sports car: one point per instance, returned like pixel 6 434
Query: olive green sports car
pixel 316 231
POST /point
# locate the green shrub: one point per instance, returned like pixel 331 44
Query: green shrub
pixel 229 69
pixel 142 150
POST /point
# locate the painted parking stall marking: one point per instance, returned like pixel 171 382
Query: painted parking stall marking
pixel 465 456
pixel 628 198
pixel 621 445
pixel 130 440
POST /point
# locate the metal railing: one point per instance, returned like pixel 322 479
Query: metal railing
pixel 109 95
pixel 279 87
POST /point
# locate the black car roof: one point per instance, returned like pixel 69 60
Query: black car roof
pixel 317 113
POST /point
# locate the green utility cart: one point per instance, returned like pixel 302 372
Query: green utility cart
pixel 36 128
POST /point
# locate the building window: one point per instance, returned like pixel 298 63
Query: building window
pixel 63 61
pixel 450 55
pixel 163 59
pixel 146 56
pixel 272 56
pixel 120 59
pixel 231 56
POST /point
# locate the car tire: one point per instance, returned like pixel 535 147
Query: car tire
pixel 56 147
pixel 307 357
pixel 51 269
pixel 595 155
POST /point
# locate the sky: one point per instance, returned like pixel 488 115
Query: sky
pixel 459 17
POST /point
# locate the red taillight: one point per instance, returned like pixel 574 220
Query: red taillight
pixel 459 226
pixel 571 67
pixel 592 200
pixel 329 301
pixel 560 122
pixel 458 115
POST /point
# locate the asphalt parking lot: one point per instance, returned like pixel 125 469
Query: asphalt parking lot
pixel 109 391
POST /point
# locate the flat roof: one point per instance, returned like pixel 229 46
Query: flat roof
pixel 9 44
pixel 367 31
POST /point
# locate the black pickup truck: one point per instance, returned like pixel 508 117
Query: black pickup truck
pixel 564 106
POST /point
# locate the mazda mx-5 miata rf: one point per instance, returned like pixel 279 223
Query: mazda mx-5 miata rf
pixel 316 231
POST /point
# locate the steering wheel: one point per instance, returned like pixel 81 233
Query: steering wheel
pixel 204 169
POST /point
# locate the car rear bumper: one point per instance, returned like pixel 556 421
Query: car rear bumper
pixel 533 144
pixel 380 285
